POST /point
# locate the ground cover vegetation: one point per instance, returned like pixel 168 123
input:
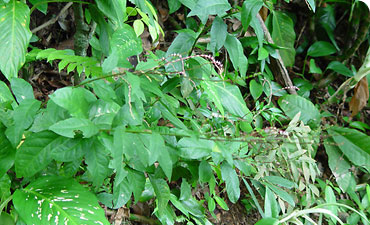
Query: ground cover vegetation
pixel 184 111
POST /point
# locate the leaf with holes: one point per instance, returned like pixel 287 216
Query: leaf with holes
pixel 57 200
pixel 14 37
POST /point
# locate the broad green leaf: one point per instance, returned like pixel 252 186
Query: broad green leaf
pixel 115 10
pixel 282 194
pixel 69 149
pixel 339 68
pixel 34 154
pixel 185 189
pixel 232 182
pixel 23 116
pixel 237 57
pixel 354 145
pixel 174 5
pixel 170 116
pixel 138 27
pixel 280 181
pixel 5 94
pixel 284 36
pixel 121 193
pixel 330 198
pixel 256 89
pixel 181 45
pixel 14 37
pixel 271 206
pixel 21 89
pixel 117 154
pixel 325 16
pixel 7 154
pixel 178 205
pixel 321 48
pixel 103 90
pixel 124 43
pixel 70 127
pixel 205 172
pixel 204 8
pixel 218 34
pixel 162 192
pixel 76 100
pixel 293 104
pixel 137 181
pixel 193 207
pixel 221 202
pixel 314 68
pixel 6 219
pixel 213 95
pixel 232 100
pixel 159 151
pixel 249 10
pixel 189 3
pixel 97 160
pixel 60 200
pixel 268 221
pixel 312 5
pixel 40 5
pixel 192 148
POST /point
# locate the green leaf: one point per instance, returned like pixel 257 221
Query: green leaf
pixel 137 181
pixel 185 189
pixel 204 8
pixel 339 68
pixel 256 89
pixel 314 68
pixel 312 5
pixel 192 148
pixel 268 221
pixel 249 11
pixel 7 154
pixel 174 5
pixel 124 43
pixel 68 98
pixel 178 205
pixel 354 145
pixel 237 57
pixel 321 48
pixel 162 192
pixel 138 27
pixel 280 181
pixel 213 95
pixel 218 34
pixel 170 116
pixel 6 219
pixel 70 127
pixel 15 36
pixel 57 199
pixel 115 10
pixel 284 36
pixel 232 100
pixel 34 154
pixel 293 104
pixel 97 160
pixel 282 194
pixel 69 149
pixel 165 161
pixel 121 193
pixel 21 89
pixel 182 43
pixel 232 182
pixel 221 202
pixel 5 94
pixel 205 172
pixel 23 116
pixel 330 198
pixel 271 206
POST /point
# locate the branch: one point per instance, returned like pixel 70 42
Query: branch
pixel 282 73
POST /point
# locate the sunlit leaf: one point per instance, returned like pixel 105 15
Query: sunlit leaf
pixel 14 37
pixel 57 199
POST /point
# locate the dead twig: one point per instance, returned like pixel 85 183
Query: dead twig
pixel 282 73
pixel 52 20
